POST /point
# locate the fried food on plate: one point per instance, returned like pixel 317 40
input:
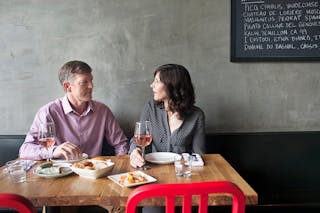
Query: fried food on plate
pixel 131 178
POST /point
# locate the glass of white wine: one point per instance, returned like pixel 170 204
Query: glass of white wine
pixel 46 135
pixel 143 137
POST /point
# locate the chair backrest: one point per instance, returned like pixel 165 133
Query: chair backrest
pixel 16 202
pixel 186 191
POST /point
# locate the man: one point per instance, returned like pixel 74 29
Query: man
pixel 81 123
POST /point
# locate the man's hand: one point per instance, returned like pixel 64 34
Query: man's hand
pixel 68 151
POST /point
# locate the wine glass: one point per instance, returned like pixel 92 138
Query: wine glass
pixel 143 137
pixel 46 135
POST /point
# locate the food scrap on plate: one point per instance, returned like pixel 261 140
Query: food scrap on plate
pixel 90 165
pixel 52 170
pixel 131 178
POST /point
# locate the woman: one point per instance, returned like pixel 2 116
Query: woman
pixel 177 124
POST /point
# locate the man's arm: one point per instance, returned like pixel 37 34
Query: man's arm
pixel 30 149
pixel 115 135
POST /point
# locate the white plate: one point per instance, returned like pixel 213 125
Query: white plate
pixel 65 172
pixel 57 160
pixel 115 178
pixel 160 157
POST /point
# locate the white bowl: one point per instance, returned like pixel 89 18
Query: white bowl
pixel 101 168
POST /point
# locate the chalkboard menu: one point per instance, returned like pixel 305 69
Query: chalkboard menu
pixel 275 30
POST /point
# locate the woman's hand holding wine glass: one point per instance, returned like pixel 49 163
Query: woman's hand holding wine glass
pixel 46 135
pixel 143 137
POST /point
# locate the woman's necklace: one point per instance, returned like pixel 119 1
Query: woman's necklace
pixel 174 121
pixel 174 116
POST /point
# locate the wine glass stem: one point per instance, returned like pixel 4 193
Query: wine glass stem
pixel 144 167
pixel 48 154
pixel 142 152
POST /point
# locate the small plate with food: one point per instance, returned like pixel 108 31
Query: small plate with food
pixel 93 169
pixel 53 170
pixel 130 179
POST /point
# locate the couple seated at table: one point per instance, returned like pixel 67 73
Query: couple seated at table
pixel 81 124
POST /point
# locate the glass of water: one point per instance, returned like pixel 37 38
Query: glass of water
pixel 17 173
pixel 183 165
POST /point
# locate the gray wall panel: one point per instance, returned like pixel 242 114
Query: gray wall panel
pixel 124 41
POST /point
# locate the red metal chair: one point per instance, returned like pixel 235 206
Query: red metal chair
pixel 187 190
pixel 16 202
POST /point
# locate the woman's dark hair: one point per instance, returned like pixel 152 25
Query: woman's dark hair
pixel 178 87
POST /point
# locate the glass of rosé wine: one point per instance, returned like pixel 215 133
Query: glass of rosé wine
pixel 143 137
pixel 46 135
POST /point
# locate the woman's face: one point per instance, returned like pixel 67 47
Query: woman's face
pixel 158 89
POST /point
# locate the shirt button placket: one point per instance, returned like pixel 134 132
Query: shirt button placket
pixel 80 132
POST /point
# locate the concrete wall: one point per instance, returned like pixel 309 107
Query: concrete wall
pixel 124 41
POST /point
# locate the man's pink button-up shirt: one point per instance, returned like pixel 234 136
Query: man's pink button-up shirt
pixel 86 131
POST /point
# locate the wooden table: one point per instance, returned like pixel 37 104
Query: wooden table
pixel 73 190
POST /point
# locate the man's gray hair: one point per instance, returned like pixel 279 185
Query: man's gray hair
pixel 68 69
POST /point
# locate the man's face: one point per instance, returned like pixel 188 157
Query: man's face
pixel 81 86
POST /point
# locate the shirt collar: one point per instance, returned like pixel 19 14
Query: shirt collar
pixel 67 108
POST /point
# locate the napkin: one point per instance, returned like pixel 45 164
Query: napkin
pixel 197 160
pixel 26 163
